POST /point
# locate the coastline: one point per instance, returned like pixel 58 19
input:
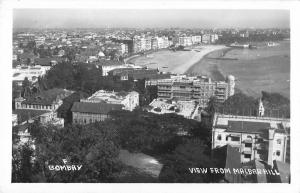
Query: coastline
pixel 263 69
pixel 178 62
pixel 200 68
pixel 205 50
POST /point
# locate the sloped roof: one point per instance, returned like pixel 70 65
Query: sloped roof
pixel 48 97
pixel 103 62
pixel 47 61
pixel 96 108
pixel 26 114
pixel 247 126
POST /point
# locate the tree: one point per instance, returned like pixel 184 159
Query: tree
pixel 26 90
pixel 142 131
pixel 22 164
pixel 94 146
pixel 212 106
pixel 177 165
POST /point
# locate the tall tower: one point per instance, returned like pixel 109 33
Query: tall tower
pixel 261 109
pixel 231 85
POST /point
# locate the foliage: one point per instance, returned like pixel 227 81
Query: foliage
pixel 192 154
pixel 93 146
pixel 22 164
pixel 143 131
pixel 82 77
pixel 276 105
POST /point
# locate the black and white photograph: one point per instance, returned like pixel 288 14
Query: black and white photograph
pixel 142 96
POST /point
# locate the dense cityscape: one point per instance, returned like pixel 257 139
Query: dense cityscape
pixel 104 105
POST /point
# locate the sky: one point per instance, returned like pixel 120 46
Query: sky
pixel 98 18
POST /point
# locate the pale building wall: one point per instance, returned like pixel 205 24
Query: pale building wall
pixel 86 118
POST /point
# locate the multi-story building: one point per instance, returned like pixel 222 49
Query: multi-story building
pixel 162 42
pixel 97 106
pixel 148 43
pixel 46 100
pixel 143 43
pixel 213 38
pixel 137 45
pixel 199 88
pixel 154 43
pixel 206 38
pixel 196 39
pixel 130 100
pixel 42 107
pixel 185 41
pixel 256 138
pixel 87 112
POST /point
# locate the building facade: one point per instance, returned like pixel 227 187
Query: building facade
pixel 89 112
pixel 257 138
pixel 200 89
pixel 185 41
pixel 47 100
pixel 97 107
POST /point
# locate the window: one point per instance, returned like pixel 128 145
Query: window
pixel 279 141
pixel 278 153
pixel 227 138
pixel 247 156
pixel 248 145
pixel 235 138
pixel 219 137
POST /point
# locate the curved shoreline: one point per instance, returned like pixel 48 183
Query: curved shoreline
pixel 213 71
pixel 176 62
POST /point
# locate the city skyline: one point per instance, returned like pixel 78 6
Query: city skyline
pixel 116 18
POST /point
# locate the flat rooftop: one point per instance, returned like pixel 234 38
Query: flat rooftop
pixel 249 123
pixel 108 96
pixel 184 108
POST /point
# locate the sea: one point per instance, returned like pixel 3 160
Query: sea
pixel 266 68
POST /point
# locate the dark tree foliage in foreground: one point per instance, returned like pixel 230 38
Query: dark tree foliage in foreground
pixel 276 105
pixel 178 165
pixel 142 131
pixel 92 146
pixel 83 77
pixel 96 147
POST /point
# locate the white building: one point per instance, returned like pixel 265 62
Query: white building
pixel 187 109
pixel 196 39
pixel 31 72
pixel 97 107
pixel 185 41
pixel 130 100
pixel 262 138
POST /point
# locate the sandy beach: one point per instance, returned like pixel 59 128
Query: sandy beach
pixel 176 62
